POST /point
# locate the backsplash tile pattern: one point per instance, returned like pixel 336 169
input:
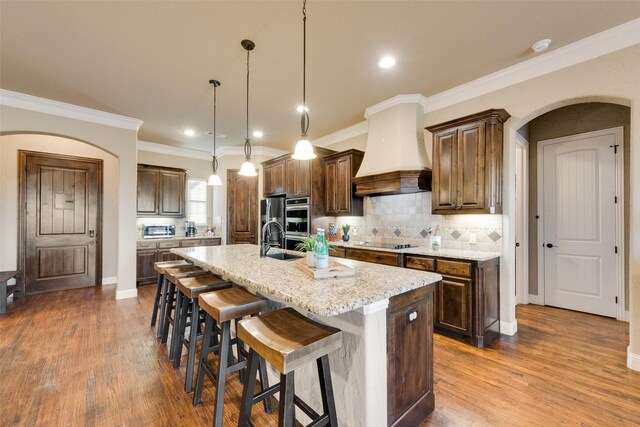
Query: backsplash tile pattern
pixel 407 218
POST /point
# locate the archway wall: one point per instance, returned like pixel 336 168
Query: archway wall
pixel 119 142
pixel 610 78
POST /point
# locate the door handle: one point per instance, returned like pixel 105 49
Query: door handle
pixel 550 245
pixel 91 233
pixel 517 244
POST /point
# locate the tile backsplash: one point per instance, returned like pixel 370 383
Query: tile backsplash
pixel 407 218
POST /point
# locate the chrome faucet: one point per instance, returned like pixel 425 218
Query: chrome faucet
pixel 264 245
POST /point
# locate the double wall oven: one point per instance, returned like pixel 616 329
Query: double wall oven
pixel 297 217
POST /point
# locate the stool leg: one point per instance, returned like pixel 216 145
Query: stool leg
pixel 326 389
pixel 223 363
pixel 240 349
pixel 206 343
pixel 3 297
pixel 180 326
pixel 264 384
pixel 287 413
pixel 171 293
pixel 163 305
pixel 247 392
pixel 156 300
pixel 193 337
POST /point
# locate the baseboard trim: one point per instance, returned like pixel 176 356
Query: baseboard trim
pixel 127 293
pixel 533 299
pixel 110 280
pixel 509 328
pixel 633 360
pixel 626 316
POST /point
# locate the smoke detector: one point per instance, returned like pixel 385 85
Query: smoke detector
pixel 541 45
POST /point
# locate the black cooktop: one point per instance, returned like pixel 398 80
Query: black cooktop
pixel 388 245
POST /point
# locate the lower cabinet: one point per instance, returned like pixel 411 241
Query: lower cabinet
pixel 377 257
pixel 454 304
pixel 150 252
pixel 410 396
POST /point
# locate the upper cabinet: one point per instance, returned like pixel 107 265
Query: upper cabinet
pixel 161 191
pixel 467 164
pixel 339 171
pixel 274 177
pixel 298 174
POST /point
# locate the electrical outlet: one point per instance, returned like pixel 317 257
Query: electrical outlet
pixel 354 231
pixel 472 237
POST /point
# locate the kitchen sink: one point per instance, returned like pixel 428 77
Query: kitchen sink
pixel 283 256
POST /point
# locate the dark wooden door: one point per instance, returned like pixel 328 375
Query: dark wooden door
pixel 298 178
pixel 343 186
pixel 330 186
pixel 242 202
pixel 61 223
pixel 454 304
pixel 471 156
pixel 145 261
pixel 172 190
pixel 148 186
pixel 444 174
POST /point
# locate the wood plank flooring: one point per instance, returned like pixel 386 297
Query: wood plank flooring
pixel 81 358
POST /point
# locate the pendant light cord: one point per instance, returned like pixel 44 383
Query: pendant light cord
pixel 304 119
pixel 247 144
pixel 214 162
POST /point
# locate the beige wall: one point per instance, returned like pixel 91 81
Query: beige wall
pixel 121 143
pixel 572 120
pixel 9 146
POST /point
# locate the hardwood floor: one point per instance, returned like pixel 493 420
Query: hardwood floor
pixel 81 358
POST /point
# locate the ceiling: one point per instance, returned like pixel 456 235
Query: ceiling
pixel 152 60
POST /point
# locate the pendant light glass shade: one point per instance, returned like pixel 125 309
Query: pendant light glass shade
pixel 214 179
pixel 304 151
pixel 247 168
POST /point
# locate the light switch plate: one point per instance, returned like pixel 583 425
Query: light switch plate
pixel 472 237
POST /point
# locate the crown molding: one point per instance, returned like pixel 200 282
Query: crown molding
pixel 61 109
pixel 172 150
pixel 414 98
pixel 605 42
pixel 343 134
pixel 257 150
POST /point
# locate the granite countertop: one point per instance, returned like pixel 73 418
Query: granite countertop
pixel 282 279
pixel 425 250
pixel 142 239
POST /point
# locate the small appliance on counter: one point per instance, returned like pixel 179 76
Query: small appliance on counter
pixel 190 228
pixel 158 231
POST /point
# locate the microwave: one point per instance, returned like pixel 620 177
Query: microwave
pixel 297 217
pixel 158 231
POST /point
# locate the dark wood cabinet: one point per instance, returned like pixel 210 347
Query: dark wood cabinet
pixel 150 252
pixel 467 301
pixel 298 178
pixel 376 257
pixel 340 169
pixel 161 191
pixel 467 164
pixel 274 177
pixel 410 396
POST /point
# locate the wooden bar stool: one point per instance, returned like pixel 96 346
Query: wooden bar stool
pixel 223 307
pixel 161 289
pixel 287 340
pixel 171 275
pixel 188 290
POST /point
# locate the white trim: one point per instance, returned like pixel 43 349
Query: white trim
pixel 352 131
pixel 62 109
pixel 534 299
pixel 110 280
pixel 523 294
pixel 172 150
pixel 618 133
pixel 127 293
pixel 376 307
pixel 626 317
pixel 509 328
pixel 633 360
pixel 611 40
pixel 257 150
pixel 414 98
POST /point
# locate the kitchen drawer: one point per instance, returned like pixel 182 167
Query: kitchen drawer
pixel 145 245
pixel 377 257
pixel 338 252
pixel 420 263
pixel 169 244
pixel 210 242
pixel 455 268
pixel 190 243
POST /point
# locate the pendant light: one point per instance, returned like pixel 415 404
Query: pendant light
pixel 304 149
pixel 247 168
pixel 214 179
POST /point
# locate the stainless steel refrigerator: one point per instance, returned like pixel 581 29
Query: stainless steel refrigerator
pixel 273 208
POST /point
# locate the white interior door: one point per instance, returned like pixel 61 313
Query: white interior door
pixel 522 279
pixel 579 212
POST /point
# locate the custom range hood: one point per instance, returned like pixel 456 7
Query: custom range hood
pixel 395 159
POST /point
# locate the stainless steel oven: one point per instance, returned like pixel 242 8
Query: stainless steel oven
pixel 297 217
pixel 290 241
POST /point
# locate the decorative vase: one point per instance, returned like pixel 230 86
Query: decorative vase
pixel 345 237
pixel 311 259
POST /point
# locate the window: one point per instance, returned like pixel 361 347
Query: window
pixel 197 201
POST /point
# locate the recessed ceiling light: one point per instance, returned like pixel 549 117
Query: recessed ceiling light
pixel 190 132
pixel 387 62
pixel 541 45
pixel 218 134
pixel 300 107
pixel 257 134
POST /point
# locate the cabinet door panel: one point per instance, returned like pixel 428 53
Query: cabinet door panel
pixel 167 256
pixel 172 189
pixel 147 202
pixel 343 196
pixel 376 257
pixel 445 173
pixel 144 266
pixel 303 188
pixel 471 158
pixel 267 183
pixel 454 304
pixel 291 172
pixel 330 186
pixel 278 178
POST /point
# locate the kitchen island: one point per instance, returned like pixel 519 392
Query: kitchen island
pixel 383 374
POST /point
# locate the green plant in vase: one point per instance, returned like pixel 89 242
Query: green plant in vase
pixel 345 232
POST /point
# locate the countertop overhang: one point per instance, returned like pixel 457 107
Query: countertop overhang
pixel 282 279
